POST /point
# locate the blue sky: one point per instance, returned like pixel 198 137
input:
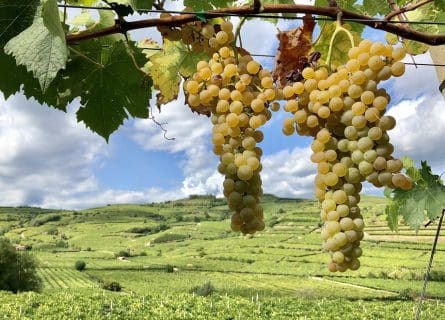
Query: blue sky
pixel 48 159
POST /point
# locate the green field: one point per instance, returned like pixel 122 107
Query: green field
pixel 280 272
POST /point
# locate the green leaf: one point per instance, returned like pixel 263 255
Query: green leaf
pixel 58 95
pixel 113 88
pixel 387 192
pixel 15 16
pixel 407 162
pixel 413 212
pixel 391 38
pixel 203 5
pixel 392 216
pixel 83 2
pixel 175 60
pixel 201 16
pixel 441 18
pixel 440 4
pixel 341 43
pixel 373 7
pixel 84 19
pixel 426 12
pixel 126 7
pixel 414 47
pixel 41 47
pixel 425 199
pixel 107 19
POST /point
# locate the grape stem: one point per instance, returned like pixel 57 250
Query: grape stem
pixel 238 36
pixel 326 66
pixel 338 28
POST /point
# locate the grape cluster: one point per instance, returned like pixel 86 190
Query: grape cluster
pixel 201 36
pixel 238 93
pixel 344 111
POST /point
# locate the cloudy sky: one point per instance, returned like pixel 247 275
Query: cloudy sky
pixel 48 159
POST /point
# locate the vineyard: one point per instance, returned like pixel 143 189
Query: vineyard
pixel 282 266
pixel 98 305
pixel 346 255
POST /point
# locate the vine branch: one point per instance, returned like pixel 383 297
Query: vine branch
pixel 331 12
pixel 410 7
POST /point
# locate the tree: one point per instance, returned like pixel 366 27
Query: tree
pixel 80 265
pixel 17 270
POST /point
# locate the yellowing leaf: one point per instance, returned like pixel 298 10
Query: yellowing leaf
pixel 175 60
pixel 341 43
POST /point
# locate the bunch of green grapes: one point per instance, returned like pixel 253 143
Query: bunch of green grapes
pixel 238 93
pixel 344 111
pixel 201 36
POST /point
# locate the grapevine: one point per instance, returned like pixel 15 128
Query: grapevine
pixel 341 105
pixel 238 92
pixel 344 111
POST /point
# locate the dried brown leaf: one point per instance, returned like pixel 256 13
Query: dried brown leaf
pixel 293 51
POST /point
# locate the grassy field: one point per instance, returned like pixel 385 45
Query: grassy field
pixel 175 246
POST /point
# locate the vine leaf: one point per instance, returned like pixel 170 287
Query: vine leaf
pixel 340 46
pixel 149 48
pixel 84 19
pixel 112 87
pixel 427 12
pixel 372 8
pixel 413 212
pixel 392 216
pixel 107 19
pixel 83 2
pixel 202 5
pixel 15 16
pixel 126 7
pixel 391 38
pixel 168 65
pixel 294 47
pixel 440 4
pixel 425 199
pixel 41 47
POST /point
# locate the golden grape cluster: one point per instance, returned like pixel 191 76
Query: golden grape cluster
pixel 201 36
pixel 344 111
pixel 238 92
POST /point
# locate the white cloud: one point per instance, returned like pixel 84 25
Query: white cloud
pixel 289 173
pixel 43 152
pixel 420 129
pixel 416 81
pixel 47 159
pixel 192 138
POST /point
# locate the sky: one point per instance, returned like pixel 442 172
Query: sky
pixel 47 159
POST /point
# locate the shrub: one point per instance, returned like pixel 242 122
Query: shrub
pixel 52 231
pixel 170 237
pixel 49 218
pixel 17 269
pixel 203 290
pixel 111 286
pixel 62 244
pixel 149 230
pixel 123 253
pixel 169 268
pixel 437 275
pixel 407 294
pixel 80 265
pixel 143 254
